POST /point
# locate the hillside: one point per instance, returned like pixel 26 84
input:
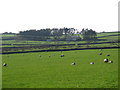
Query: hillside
pixel 10 43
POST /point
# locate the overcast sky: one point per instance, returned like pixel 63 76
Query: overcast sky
pixel 19 15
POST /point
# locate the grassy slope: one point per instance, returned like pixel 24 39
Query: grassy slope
pixel 110 37
pixel 31 71
pixel 105 34
pixel 103 39
pixel 7 35
pixel 44 42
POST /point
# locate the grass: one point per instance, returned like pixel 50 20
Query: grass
pixel 0 71
pixel 105 34
pixel 60 47
pixel 7 35
pixel 31 71
pixel 37 43
pixel 111 37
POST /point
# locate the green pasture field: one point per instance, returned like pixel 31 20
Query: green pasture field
pixel 61 42
pixel 100 45
pixel 105 34
pixel 38 42
pixel 111 37
pixel 29 70
pixel 61 47
pixel 7 35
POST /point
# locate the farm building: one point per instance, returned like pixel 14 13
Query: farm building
pixel 72 38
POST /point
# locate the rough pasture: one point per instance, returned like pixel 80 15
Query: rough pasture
pixel 29 70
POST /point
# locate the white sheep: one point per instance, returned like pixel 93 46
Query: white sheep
pixel 110 61
pixel 105 60
pixel 4 64
pixel 100 49
pixel 62 55
pixel 73 63
pixel 91 62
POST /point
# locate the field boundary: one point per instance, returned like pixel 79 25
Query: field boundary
pixel 36 45
pixel 58 50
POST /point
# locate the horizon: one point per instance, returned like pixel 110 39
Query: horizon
pixel 58 28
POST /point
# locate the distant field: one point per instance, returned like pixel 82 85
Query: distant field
pixel 110 38
pixel 105 34
pixel 7 35
pixel 102 37
pixel 52 42
pixel 32 71
pixel 39 42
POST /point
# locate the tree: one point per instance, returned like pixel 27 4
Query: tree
pixel 56 33
pixel 41 34
pixel 88 35
pixel 44 34
pixel 68 31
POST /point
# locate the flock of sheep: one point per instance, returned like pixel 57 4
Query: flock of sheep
pixel 105 60
pixel 73 63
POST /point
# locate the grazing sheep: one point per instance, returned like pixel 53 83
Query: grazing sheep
pixel 100 49
pixel 91 62
pixel 4 64
pixel 105 60
pixel 100 54
pixel 73 63
pixel 108 54
pixel 62 55
pixel 110 61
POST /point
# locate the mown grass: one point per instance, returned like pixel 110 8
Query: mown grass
pixel 32 71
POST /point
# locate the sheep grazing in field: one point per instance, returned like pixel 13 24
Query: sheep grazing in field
pixel 91 62
pixel 4 64
pixel 73 63
pixel 105 60
pixel 100 54
pixel 62 55
pixel 108 54
pixel 100 49
pixel 110 61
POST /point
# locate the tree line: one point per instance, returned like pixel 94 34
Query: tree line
pixel 58 34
